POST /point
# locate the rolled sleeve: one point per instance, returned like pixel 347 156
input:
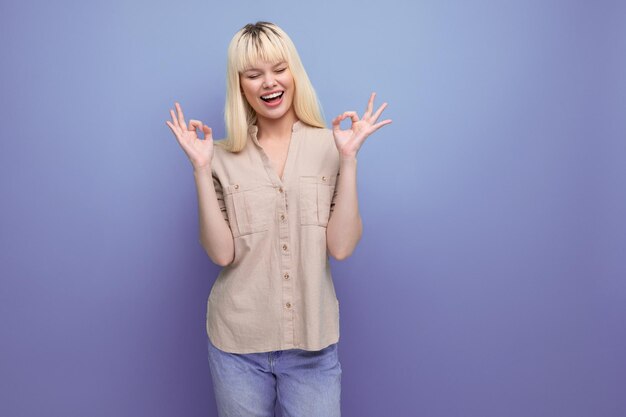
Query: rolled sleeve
pixel 219 192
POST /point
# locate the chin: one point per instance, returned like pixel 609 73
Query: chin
pixel 277 113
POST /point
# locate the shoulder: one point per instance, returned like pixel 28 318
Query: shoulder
pixel 318 136
pixel 222 152
pixel 317 146
pixel 225 162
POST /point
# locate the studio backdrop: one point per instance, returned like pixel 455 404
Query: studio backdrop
pixel 489 280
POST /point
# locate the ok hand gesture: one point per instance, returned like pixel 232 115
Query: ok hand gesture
pixel 199 152
pixel 349 141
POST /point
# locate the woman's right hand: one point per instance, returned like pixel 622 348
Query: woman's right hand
pixel 199 151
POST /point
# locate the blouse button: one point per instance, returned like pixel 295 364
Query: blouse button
pixel 323 178
pixel 288 305
pixel 286 275
pixel 284 246
pixel 280 189
pixel 236 186
pixel 282 217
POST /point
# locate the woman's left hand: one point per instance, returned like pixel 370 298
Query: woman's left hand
pixel 350 140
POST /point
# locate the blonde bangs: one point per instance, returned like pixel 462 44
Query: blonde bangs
pixel 252 48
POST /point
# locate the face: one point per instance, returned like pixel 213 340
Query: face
pixel 269 89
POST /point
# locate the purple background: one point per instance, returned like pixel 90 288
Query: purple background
pixel 490 280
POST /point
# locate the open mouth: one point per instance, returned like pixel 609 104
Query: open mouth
pixel 273 97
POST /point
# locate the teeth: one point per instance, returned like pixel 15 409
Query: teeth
pixel 271 95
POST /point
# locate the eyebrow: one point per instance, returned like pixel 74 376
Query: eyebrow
pixel 256 69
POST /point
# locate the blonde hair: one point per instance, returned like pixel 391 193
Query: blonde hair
pixel 266 42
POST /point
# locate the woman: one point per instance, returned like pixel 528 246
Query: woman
pixel 272 206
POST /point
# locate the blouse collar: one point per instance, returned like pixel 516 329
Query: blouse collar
pixel 254 129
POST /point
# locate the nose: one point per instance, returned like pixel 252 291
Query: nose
pixel 269 81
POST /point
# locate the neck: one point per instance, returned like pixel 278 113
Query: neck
pixel 276 129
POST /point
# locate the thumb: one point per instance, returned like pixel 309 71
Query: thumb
pixel 337 123
pixel 208 132
pixel 193 125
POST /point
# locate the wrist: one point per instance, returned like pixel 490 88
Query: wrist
pixel 203 170
pixel 347 160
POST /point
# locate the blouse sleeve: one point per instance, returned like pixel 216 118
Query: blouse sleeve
pixel 332 201
pixel 219 192
pixel 334 157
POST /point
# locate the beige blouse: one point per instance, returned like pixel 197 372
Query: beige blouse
pixel 278 292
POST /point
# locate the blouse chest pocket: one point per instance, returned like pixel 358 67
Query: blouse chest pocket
pixel 316 194
pixel 250 207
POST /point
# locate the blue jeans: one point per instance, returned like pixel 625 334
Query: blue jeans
pixel 306 383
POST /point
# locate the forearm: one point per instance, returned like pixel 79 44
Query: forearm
pixel 345 227
pixel 215 235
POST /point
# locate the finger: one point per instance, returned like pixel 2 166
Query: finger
pixel 380 124
pixel 208 132
pixel 379 111
pixel 181 117
pixel 337 123
pixel 174 129
pixel 353 115
pixel 339 118
pixel 370 106
pixel 194 125
pixel 174 119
